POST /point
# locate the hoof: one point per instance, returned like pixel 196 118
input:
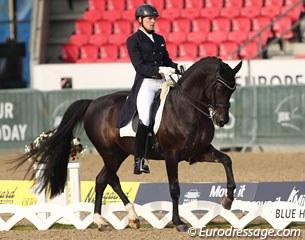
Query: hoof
pixel 182 228
pixel 226 202
pixel 102 228
pixel 134 223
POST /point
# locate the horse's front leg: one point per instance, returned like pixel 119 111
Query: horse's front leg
pixel 172 173
pixel 214 155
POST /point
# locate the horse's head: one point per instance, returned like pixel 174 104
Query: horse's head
pixel 219 92
pixel 209 84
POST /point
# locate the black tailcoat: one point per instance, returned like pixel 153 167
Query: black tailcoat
pixel 146 57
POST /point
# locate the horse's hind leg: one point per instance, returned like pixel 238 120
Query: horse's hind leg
pixel 214 155
pixel 100 185
pixel 108 176
pixel 114 182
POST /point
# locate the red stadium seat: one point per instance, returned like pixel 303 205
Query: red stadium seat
pixel 249 51
pixel 108 53
pixel 174 4
pixel 78 39
pixel 221 23
pixel 177 37
pixel 116 4
pixel 98 39
pixel 103 26
pixel 112 14
pixel 133 4
pixel 241 23
pixel 163 26
pixel 172 50
pixel 181 25
pixel 194 4
pixel 97 4
pixel 92 15
pixel 187 51
pixel 210 12
pixel 170 13
pixel 69 53
pixel 83 27
pixel 214 3
pixel 233 3
pixel 117 38
pixel 294 13
pixel 230 12
pixel 250 11
pixel 123 54
pixel 192 8
pixel 217 36
pixel 253 3
pixel 196 37
pixel 238 36
pixel 227 48
pixel 190 13
pixel 281 26
pixel 201 24
pixel 290 2
pixel 260 22
pixel 274 3
pixel 89 53
pixel 128 14
pixel 122 26
pixel 158 4
pixel 271 11
pixel 208 49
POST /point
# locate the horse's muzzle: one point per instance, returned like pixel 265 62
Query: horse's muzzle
pixel 221 118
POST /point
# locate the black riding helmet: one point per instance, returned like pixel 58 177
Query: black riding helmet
pixel 146 10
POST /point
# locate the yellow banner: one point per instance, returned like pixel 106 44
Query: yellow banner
pixel 21 193
pixel 17 192
pixel 88 192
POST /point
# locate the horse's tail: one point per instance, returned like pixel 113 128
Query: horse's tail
pixel 54 153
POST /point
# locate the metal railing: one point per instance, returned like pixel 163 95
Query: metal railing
pixel 259 34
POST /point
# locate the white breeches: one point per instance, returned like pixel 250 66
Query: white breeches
pixel 146 96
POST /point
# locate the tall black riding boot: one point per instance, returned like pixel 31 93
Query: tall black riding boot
pixel 140 149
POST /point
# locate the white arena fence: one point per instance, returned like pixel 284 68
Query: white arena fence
pixel 44 214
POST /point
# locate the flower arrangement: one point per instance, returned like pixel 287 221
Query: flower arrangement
pixel 76 147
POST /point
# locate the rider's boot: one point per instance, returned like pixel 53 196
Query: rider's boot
pixel 140 149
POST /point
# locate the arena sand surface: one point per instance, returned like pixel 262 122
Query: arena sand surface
pixel 266 166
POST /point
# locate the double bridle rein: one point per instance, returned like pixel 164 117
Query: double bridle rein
pixel 213 105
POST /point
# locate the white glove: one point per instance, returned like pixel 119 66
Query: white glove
pixel 166 72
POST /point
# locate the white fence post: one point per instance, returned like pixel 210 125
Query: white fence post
pixel 62 199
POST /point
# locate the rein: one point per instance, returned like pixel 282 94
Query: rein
pixel 210 107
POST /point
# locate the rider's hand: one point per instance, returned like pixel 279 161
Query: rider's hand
pixel 165 72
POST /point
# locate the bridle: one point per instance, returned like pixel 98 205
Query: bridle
pixel 213 105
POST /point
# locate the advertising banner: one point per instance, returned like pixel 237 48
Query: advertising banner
pixel 22 193
pixel 22 116
pixel 17 192
pixel 88 192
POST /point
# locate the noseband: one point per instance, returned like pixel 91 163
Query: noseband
pixel 213 105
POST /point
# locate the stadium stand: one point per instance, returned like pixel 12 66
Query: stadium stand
pixel 193 28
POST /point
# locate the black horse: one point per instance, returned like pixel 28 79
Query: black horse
pixel 200 99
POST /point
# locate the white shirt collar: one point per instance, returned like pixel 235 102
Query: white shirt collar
pixel 148 35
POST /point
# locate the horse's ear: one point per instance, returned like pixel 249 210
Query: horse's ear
pixel 237 68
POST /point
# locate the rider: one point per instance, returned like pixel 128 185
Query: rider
pixel 149 56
